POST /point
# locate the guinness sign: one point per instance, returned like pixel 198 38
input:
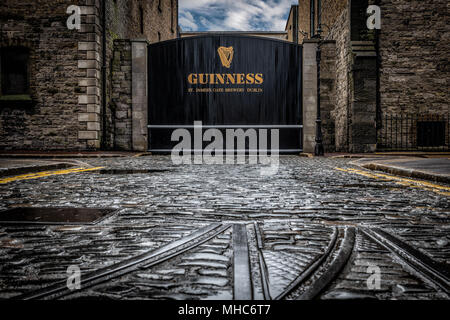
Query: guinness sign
pixel 225 78
pixel 226 55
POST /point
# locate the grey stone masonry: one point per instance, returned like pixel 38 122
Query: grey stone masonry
pixel 89 64
pixel 328 93
pixel 62 107
pixel 121 94
pixel 309 95
pixel 139 99
pixel 414 57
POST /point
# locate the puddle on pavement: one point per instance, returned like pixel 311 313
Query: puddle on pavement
pixel 27 215
pixel 129 171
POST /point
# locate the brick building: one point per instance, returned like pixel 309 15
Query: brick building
pixel 60 88
pixel 374 83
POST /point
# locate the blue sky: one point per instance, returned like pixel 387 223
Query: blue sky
pixel 230 15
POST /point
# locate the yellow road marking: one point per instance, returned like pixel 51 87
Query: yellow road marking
pixel 45 174
pixel 425 185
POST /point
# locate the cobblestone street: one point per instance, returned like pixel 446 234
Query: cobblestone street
pixel 317 229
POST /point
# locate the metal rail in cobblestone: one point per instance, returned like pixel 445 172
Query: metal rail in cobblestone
pixel 146 260
pixel 262 264
pixel 334 269
pixel 242 276
pixel 311 268
pixel 426 267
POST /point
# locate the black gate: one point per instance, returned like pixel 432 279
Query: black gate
pixel 227 82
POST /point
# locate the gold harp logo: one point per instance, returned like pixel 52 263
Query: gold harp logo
pixel 226 56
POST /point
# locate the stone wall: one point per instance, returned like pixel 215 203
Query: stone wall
pixel 331 12
pixel 356 79
pixel 64 110
pixel 328 93
pixel 335 68
pixel 309 106
pixel 363 104
pixel 159 23
pixel 411 66
pixel 121 94
pixel 51 122
pixel 89 80
pixel 291 24
pixel 340 33
pixel 414 52
pixel 304 20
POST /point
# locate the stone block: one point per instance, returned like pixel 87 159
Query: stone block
pixel 88 135
pixel 93 108
pixel 87 64
pixel 94 126
pixel 86 46
pixel 87 99
pixel 87 82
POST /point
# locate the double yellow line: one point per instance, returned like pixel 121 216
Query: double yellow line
pixel 425 185
pixel 45 174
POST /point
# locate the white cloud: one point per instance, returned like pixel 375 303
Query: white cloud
pixel 224 15
pixel 187 21
pixel 208 25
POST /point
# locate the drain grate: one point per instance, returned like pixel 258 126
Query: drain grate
pixel 129 171
pixel 54 215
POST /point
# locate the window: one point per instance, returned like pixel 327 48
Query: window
pixel 159 36
pixel 159 6
pixel 14 70
pixel 430 133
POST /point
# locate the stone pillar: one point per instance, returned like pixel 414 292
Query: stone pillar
pixel 328 93
pixel 139 96
pixel 309 95
pixel 121 95
pixel 89 80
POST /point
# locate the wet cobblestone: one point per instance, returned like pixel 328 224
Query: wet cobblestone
pixel 297 211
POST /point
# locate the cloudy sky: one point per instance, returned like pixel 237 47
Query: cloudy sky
pixel 229 15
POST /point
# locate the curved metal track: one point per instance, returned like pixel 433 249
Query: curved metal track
pixel 145 260
pixel 334 269
pixel 427 268
pixel 322 270
pixel 329 275
pixel 311 268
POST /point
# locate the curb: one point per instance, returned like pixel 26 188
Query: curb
pixel 62 156
pixel 411 173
